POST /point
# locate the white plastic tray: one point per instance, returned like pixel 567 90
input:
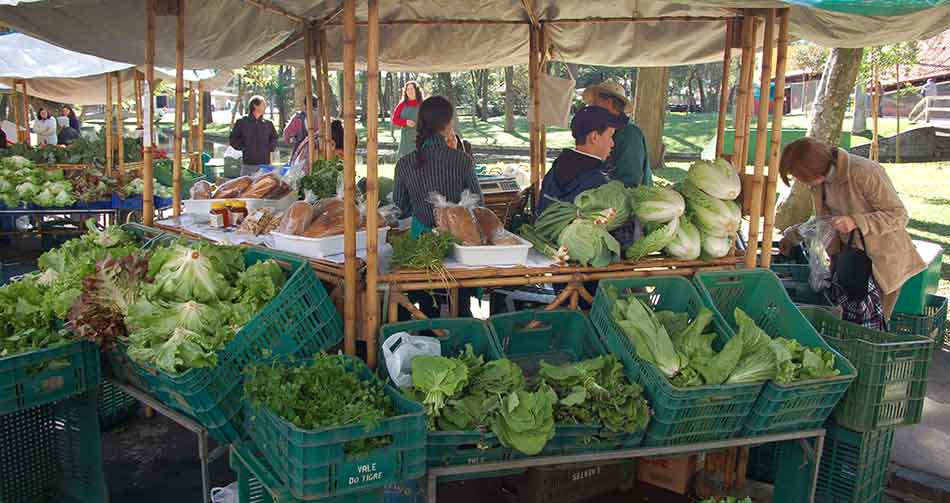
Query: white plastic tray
pixel 492 255
pixel 200 208
pixel 321 247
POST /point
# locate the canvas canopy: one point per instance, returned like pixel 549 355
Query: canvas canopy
pixel 233 33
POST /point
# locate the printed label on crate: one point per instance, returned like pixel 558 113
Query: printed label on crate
pixel 52 383
pixel 366 472
pixel 585 474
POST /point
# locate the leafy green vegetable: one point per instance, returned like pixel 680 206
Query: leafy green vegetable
pixel 322 180
pixel 182 273
pixel 589 244
pixel 21 182
pixel 687 242
pixel 657 205
pixel 799 363
pixel 654 241
pixel 648 335
pixel 425 252
pixel 526 420
pixel 177 336
pixel 610 198
pixel 674 323
pixel 26 318
pixel 438 378
pixel 322 394
pixel 716 247
pixel 717 178
pixel 717 369
pixel 758 362
pixel 712 216
pixel 99 313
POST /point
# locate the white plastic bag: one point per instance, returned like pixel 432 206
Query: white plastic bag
pixel 226 494
pixel 232 153
pixel 817 235
pixel 400 348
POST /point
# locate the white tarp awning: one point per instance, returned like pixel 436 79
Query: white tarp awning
pixel 234 33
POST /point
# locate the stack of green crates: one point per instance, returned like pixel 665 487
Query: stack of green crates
pixel 853 465
pixel 52 452
pixel 114 405
pixel 931 324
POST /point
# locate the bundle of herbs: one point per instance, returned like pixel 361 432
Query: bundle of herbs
pixel 321 394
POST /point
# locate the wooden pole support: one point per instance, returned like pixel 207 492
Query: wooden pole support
pixel 200 136
pixel 372 181
pixel 138 100
pixel 179 102
pixel 120 124
pixel 308 99
pixel 875 105
pixel 110 146
pixel 148 176
pixel 26 113
pixel 534 121
pixel 724 89
pixel 761 142
pixel 349 176
pixel 778 113
pixel 190 147
pixel 742 94
pixel 325 64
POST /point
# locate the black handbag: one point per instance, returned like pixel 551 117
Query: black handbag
pixel 851 269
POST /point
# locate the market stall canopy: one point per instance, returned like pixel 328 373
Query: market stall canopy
pixel 444 36
pixel 57 74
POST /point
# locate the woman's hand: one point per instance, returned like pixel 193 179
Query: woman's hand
pixel 410 123
pixel 844 224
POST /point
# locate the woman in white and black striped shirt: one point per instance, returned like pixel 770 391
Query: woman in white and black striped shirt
pixel 434 166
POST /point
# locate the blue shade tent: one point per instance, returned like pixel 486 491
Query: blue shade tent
pixel 872 7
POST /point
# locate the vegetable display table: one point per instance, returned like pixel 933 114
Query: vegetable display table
pixel 107 215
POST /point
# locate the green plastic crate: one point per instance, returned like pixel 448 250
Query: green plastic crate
pixel 558 337
pixel 300 321
pixel 794 278
pixel 146 235
pixel 853 466
pixel 52 453
pixel 892 373
pixel 114 405
pixel 780 408
pixel 46 375
pixel 932 325
pixel 915 291
pixel 257 482
pixel 312 463
pixel 450 448
pixel 680 415
pixel 762 460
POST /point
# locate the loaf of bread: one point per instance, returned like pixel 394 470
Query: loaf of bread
pixel 488 223
pixel 460 222
pixel 261 187
pixel 330 205
pixel 296 219
pixel 281 190
pixel 232 188
pixel 202 190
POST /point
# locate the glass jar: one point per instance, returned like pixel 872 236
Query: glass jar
pixel 219 215
pixel 237 211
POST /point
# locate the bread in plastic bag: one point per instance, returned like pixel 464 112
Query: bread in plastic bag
pixel 232 188
pixel 504 238
pixel 488 223
pixel 261 187
pixel 202 189
pixel 457 219
pixel 296 219
pixel 327 218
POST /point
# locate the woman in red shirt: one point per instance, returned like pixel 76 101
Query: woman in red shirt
pixel 404 117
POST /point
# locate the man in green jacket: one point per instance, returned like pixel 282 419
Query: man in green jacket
pixel 628 160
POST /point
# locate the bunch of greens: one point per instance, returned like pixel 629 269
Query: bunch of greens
pixel 26 320
pixel 99 312
pixel 322 180
pixel 22 182
pixel 322 394
pixel 525 420
pixel 660 209
pixel 137 186
pixel 425 252
pixel 91 184
pixel 195 300
pixel 682 349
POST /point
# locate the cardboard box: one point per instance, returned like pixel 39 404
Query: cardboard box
pixel 674 474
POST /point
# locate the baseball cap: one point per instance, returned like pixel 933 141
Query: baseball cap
pixel 592 118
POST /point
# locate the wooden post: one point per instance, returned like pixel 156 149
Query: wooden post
pixel 761 143
pixel 372 187
pixel 778 113
pixel 543 67
pixel 190 147
pixel 742 93
pixel 179 102
pixel 120 145
pixel 308 99
pixel 138 100
pixel 875 105
pixel 148 192
pixel 534 120
pixel 321 97
pixel 15 107
pixel 200 134
pixel 724 90
pixel 349 176
pixel 325 69
pixel 109 146
pixel 26 113
pixel 897 137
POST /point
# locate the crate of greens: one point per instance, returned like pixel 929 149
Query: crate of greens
pixel 806 376
pixel 330 428
pixel 892 373
pixel 40 361
pixel 576 397
pixel 700 381
pixel 459 426
pixel 196 314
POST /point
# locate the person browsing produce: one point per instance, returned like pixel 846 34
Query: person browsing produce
pixel 864 208
pixel 254 136
pixel 628 160
pixel 404 117
pixel 45 128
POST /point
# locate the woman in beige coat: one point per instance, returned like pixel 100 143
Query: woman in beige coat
pixel 855 193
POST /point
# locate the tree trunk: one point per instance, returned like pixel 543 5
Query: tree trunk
pixel 208 111
pixel 650 109
pixel 860 122
pixel 238 101
pixel 827 116
pixel 702 92
pixel 510 99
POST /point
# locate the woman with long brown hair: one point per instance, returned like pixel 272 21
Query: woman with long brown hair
pixel 860 202
pixel 405 115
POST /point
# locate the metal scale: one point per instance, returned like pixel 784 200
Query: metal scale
pixel 500 194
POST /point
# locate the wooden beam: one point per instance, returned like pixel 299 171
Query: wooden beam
pixel 372 181
pixel 179 106
pixel 283 46
pixel 138 100
pixel 200 144
pixel 148 176
pixel 190 146
pixel 778 113
pixel 108 126
pixel 590 20
pixel 325 64
pixel 724 89
pixel 761 143
pixel 533 121
pixel 875 104
pixel 742 101
pixel 532 16
pixel 120 145
pixel 267 7
pixel 308 99
pixel 350 223
pixel 336 12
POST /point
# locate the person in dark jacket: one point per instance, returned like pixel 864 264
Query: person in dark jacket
pixel 3 139
pixel 254 136
pixel 69 113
